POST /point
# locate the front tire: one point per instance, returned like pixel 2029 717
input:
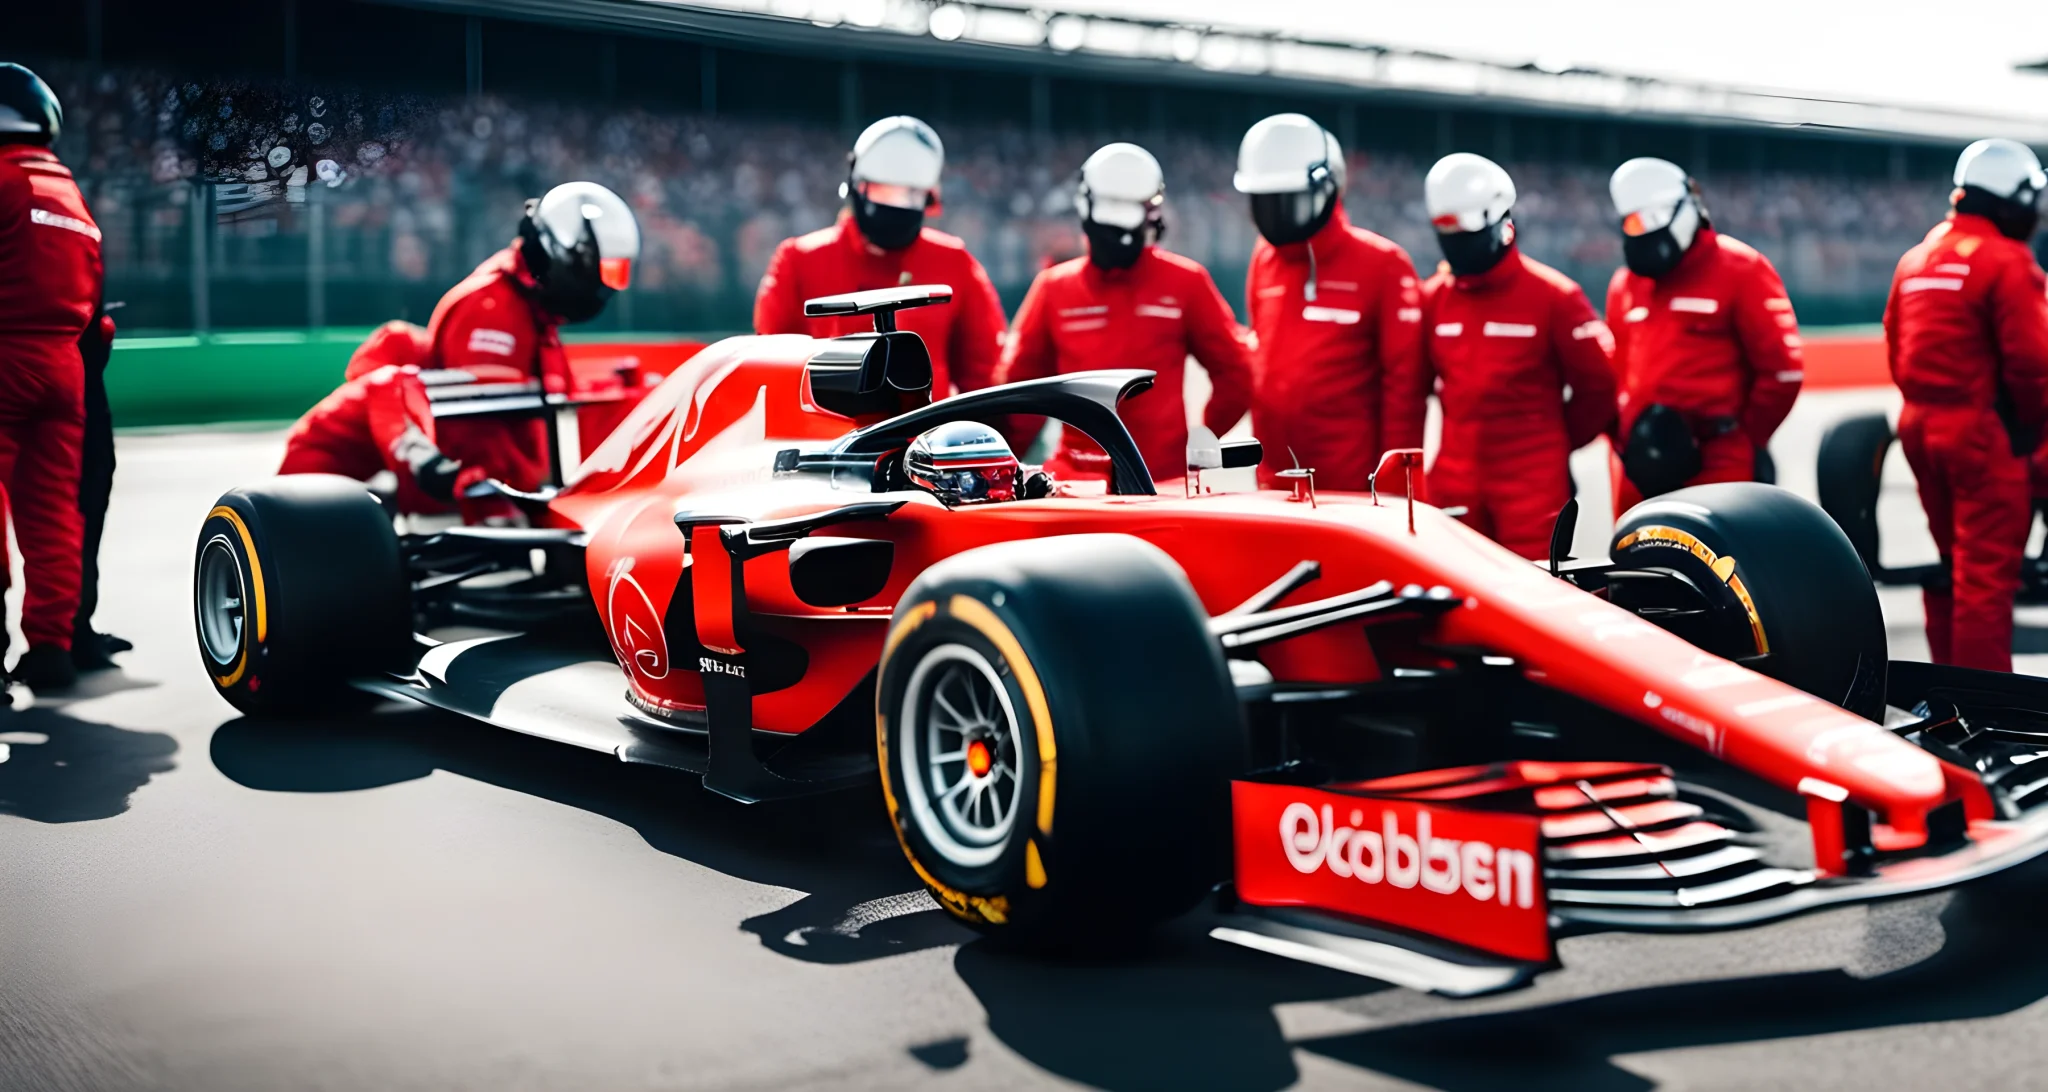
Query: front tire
pixel 1057 732
pixel 298 587
pixel 1784 588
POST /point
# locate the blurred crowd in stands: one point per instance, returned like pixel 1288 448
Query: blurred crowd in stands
pixel 715 194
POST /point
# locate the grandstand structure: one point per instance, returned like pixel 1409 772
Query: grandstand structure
pixel 725 123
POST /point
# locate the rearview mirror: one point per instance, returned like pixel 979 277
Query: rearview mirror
pixel 1242 453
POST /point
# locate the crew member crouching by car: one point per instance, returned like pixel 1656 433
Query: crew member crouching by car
pixel 1131 304
pixel 1705 343
pixel 1521 359
pixel 380 420
pixel 575 250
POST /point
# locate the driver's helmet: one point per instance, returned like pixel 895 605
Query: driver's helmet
pixel 963 462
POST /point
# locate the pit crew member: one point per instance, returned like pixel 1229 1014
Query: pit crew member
pixel 380 420
pixel 1519 357
pixel 1706 347
pixel 1336 311
pixel 575 250
pixel 50 281
pixel 880 241
pixel 1966 330
pixel 1131 304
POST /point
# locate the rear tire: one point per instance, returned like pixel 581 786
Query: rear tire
pixel 1848 476
pixel 1083 667
pixel 1779 576
pixel 297 588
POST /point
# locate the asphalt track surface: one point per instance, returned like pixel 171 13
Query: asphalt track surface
pixel 194 900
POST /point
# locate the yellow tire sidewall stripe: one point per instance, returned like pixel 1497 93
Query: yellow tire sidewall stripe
pixel 993 910
pixel 262 629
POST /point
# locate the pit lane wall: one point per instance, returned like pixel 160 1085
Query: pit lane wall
pixel 276 375
pixel 271 376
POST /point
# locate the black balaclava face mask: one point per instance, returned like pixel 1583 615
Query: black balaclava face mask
pixel 571 289
pixel 886 226
pixel 1655 253
pixel 1112 247
pixel 2014 219
pixel 1470 253
pixel 1285 218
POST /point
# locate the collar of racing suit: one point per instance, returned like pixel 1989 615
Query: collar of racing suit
pixel 25 152
pixel 1968 223
pixel 1096 275
pixel 1305 251
pixel 1502 272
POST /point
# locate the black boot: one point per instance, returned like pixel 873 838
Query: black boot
pixel 45 669
pixel 92 650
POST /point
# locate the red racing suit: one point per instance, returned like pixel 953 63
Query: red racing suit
pixel 1155 314
pixel 1966 329
pixel 964 336
pixel 1714 339
pixel 380 420
pixel 1524 377
pixel 394 343
pixel 50 282
pixel 489 326
pixel 1338 321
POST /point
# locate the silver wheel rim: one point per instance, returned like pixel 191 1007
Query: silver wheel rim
pixel 954 700
pixel 221 596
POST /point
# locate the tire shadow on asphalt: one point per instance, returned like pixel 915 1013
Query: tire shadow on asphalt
pixel 863 901
pixel 1990 964
pixel 1176 1011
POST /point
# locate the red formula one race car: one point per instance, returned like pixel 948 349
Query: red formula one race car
pixel 1385 743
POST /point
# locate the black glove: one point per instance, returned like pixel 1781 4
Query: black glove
pixel 436 478
pixel 1037 484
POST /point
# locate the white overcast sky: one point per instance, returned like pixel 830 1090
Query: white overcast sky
pixel 1954 54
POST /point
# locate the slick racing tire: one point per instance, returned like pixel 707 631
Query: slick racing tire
pixel 1785 591
pixel 1848 476
pixel 297 588
pixel 1057 733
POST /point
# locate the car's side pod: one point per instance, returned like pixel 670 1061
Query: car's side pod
pixel 720 547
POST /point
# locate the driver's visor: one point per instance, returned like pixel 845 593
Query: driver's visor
pixel 997 483
pixel 895 196
pixel 1645 221
pixel 1455 223
pixel 616 273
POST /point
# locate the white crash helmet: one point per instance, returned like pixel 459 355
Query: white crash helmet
pixel 1293 170
pixel 1469 197
pixel 1287 153
pixel 1466 192
pixel 898 151
pixel 2003 168
pixel 1652 194
pixel 1660 212
pixel 1122 186
pixel 580 241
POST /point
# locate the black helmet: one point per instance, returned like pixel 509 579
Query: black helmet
pixel 29 113
pixel 963 462
pixel 580 241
